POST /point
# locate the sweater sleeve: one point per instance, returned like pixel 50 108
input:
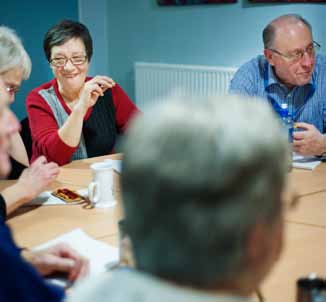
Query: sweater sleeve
pixel 125 109
pixel 19 280
pixel 44 129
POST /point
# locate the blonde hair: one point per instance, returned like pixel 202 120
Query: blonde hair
pixel 13 53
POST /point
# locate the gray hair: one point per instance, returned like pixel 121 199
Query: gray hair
pixel 269 31
pixel 196 177
pixel 13 53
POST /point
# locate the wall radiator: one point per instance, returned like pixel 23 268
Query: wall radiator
pixel 155 82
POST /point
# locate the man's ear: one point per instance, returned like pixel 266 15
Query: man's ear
pixel 257 245
pixel 269 55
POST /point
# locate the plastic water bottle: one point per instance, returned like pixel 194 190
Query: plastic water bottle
pixel 311 289
pixel 287 121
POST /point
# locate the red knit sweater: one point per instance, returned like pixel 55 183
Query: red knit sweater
pixel 44 127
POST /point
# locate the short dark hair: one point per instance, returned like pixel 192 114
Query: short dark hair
pixel 65 30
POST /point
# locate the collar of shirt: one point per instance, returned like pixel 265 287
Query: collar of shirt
pixel 152 287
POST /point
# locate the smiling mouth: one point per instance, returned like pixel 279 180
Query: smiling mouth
pixel 70 75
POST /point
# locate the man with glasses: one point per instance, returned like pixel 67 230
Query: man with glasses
pixel 290 72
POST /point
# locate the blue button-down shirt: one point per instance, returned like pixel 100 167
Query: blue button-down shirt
pixel 306 103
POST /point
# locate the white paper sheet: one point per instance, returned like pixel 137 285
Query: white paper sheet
pixel 100 254
pixel 304 162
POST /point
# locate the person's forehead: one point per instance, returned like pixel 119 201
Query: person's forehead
pixel 291 36
pixel 13 76
pixel 74 45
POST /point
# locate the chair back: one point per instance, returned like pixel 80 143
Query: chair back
pixel 26 136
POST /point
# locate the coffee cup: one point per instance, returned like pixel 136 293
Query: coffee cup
pixel 100 190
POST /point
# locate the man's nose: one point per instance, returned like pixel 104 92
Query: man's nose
pixel 307 60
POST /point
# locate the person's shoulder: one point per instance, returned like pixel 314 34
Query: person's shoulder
pixel 249 77
pixel 254 68
pixel 320 60
pixel 96 289
pixel 320 69
pixel 119 285
pixel 43 86
pixel 116 87
pixel 254 63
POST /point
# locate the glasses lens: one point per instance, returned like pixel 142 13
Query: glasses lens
pixel 58 62
pixel 295 57
pixel 78 60
pixel 310 50
pixel 12 89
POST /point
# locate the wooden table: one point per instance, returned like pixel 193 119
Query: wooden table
pixel 35 225
pixel 305 236
pixel 306 182
pixel 305 244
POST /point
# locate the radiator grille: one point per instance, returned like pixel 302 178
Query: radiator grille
pixel 155 82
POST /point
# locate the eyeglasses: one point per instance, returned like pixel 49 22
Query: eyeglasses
pixel 12 89
pixel 297 55
pixel 61 62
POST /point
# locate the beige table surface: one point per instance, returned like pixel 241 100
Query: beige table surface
pixel 304 250
pixel 311 210
pixel 306 182
pixel 305 236
pixel 34 225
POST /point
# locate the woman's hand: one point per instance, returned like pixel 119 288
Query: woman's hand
pixel 93 89
pixel 38 176
pixel 31 183
pixel 70 132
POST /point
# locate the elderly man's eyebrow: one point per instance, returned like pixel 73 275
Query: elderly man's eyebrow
pixel 302 49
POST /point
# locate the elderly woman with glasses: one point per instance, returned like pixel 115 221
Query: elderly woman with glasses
pixel 22 270
pixel 75 116
pixel 15 65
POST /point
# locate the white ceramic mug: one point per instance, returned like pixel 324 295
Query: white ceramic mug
pixel 100 190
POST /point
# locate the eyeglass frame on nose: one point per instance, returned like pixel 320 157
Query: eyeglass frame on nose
pixel 83 57
pixel 295 58
pixel 12 90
